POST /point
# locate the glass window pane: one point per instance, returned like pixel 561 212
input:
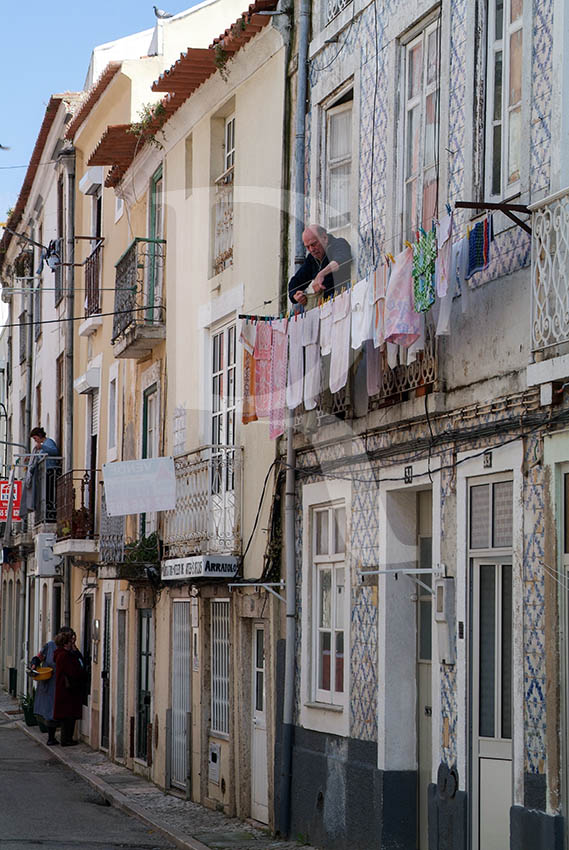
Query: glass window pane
pixel 430 128
pixel 259 687
pixel 499 20
pixel 339 212
pixel 432 56
pixel 339 680
pixel 325 615
pixel 340 530
pixel 497 160
pixel 502 514
pixel 487 650
pixel 415 68
pixel 498 62
pixel 507 651
pixel 516 9
pixel 260 648
pixel 514 145
pixel 325 652
pixel 340 134
pixel 515 86
pixel 321 518
pixel 411 212
pixel 429 197
pixel 340 597
pixel 566 513
pixel 425 638
pixel 413 141
pixel 479 516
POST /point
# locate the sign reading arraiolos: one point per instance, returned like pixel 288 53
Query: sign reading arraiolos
pixel 199 566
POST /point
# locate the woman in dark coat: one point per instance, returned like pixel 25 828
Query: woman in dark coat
pixel 69 682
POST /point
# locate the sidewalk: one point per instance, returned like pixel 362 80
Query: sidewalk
pixel 187 825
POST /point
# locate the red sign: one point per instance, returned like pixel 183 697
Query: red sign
pixel 5 497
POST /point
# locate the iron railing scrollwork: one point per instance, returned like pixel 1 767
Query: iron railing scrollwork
pixel 138 286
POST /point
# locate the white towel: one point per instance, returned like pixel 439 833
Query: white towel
pixel 340 359
pixel 362 313
pixel 310 331
pixel 326 327
pixel 295 362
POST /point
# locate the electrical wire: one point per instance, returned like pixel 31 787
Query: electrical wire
pixel 253 530
pixel 82 318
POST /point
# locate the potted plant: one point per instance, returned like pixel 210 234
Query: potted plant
pixel 27 706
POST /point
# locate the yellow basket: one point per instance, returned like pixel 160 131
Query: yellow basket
pixel 42 673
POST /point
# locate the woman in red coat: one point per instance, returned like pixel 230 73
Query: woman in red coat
pixel 69 683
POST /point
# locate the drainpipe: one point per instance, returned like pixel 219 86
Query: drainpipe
pixel 288 706
pixel 68 160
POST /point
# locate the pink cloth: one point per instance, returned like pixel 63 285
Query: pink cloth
pixel 278 378
pixel 262 354
pixel 247 339
pixel 402 323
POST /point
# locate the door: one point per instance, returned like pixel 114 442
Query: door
pixel 259 777
pixel 492 702
pixel 87 650
pixel 120 685
pixel 223 425
pixel 156 248
pixel 106 673
pixel 181 690
pixel 424 671
pixel 144 682
pixel 149 447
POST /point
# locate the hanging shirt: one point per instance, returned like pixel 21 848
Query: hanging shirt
pixel 326 327
pixel 362 312
pixel 278 378
pixel 310 332
pixel 479 240
pixel 340 355
pixel 295 361
pixel 263 341
pixel 402 324
pixel 247 339
pixel 444 255
pixel 424 256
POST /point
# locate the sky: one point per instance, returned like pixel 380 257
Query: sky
pixel 46 48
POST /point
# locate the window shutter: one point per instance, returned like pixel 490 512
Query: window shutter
pixel 94 403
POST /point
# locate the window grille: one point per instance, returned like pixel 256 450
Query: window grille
pixel 220 666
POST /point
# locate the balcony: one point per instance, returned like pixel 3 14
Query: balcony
pixel 334 7
pixel 139 321
pixel 76 496
pixel 550 289
pixel 93 281
pixel 207 516
pixel 223 232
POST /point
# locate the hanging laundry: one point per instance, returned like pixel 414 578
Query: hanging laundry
pixel 362 313
pixel 262 354
pixel 418 345
pixel 326 327
pixel 341 324
pixel 402 324
pixel 278 378
pixel 247 339
pixel 295 361
pixel 392 354
pixel 479 240
pixel 380 279
pixel 310 332
pixel 374 360
pixel 459 270
pixel 424 256
pixel 444 255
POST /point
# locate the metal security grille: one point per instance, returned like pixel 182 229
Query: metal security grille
pixel 220 666
pixel 181 676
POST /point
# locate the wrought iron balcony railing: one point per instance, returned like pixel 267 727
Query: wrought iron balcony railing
pixel 207 516
pixel 334 7
pixel 223 233
pixel 138 286
pixel 76 497
pixel 93 281
pixel 550 276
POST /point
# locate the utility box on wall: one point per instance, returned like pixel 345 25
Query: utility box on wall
pixel 445 619
pixel 47 564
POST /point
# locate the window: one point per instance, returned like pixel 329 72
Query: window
pixel 229 147
pixel 37 418
pixel 58 272
pixel 339 165
pixel 329 602
pixel 220 666
pixel 504 96
pixel 38 289
pixel 150 447
pixel 23 328
pixel 420 101
pixel 189 146
pixel 59 399
pixel 112 424
pixel 156 233
pixel 223 389
pixel 223 210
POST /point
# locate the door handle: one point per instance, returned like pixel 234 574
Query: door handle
pixel 428 711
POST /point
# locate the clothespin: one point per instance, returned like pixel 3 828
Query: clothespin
pixel 448 208
pixel 422 229
pixel 392 258
pixel 407 244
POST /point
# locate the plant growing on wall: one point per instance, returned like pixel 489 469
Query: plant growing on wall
pixel 152 117
pixel 221 57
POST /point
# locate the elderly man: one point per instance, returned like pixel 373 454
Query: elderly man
pixel 328 265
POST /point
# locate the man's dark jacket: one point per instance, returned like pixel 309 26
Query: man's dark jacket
pixel 338 249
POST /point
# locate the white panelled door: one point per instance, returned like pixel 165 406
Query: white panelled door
pixel 259 776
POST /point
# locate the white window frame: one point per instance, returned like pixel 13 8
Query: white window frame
pixel 113 415
pixel 323 710
pixel 495 46
pixel 220 666
pixel 229 143
pixel 343 227
pixel 228 376
pixel 419 35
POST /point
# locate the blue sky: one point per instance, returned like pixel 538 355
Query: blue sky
pixel 46 47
